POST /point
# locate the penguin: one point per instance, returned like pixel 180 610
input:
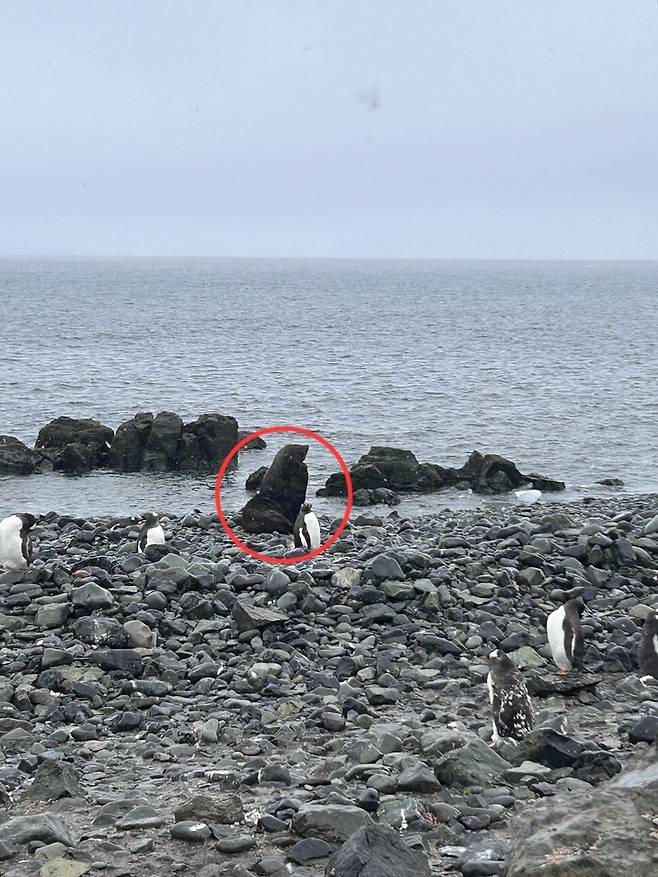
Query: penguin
pixel 512 710
pixel 151 533
pixel 648 653
pixel 15 542
pixel 307 529
pixel 565 635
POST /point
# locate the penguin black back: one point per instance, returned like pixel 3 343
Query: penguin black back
pixel 573 632
pixel 648 653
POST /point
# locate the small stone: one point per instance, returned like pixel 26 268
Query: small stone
pixel 190 830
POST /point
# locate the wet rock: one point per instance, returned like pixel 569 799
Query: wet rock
pixel 91 596
pixel 554 683
pixel 75 444
pixel 645 730
pixel 127 451
pixel 308 850
pixel 17 459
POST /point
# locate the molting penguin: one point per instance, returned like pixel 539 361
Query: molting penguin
pixel 565 635
pixel 511 706
pixel 648 652
pixel 15 542
pixel 307 529
pixel 151 533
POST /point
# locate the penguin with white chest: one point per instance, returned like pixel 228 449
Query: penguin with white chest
pixel 306 531
pixel 151 533
pixel 513 717
pixel 565 635
pixel 648 653
pixel 15 542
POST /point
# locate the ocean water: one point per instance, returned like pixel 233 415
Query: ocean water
pixel 552 364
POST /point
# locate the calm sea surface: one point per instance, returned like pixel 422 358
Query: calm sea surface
pixel 552 364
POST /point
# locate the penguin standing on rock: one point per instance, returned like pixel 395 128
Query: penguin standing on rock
pixel 512 710
pixel 306 531
pixel 151 533
pixel 15 542
pixel 565 635
pixel 649 648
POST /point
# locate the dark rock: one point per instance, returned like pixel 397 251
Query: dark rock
pixel 206 442
pixel 44 827
pixel 256 444
pixel 223 809
pixel 331 822
pixel 76 444
pixel 596 765
pixel 602 832
pixel 127 451
pixel 255 480
pixel 308 850
pixel 549 747
pixel 161 449
pixel 644 730
pixel 555 683
pixel 474 764
pixel 122 660
pixel 282 492
pixel 377 851
pixel 99 631
pixel 17 459
pixel 54 780
pixel 252 617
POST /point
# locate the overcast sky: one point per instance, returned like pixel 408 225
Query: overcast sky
pixel 437 128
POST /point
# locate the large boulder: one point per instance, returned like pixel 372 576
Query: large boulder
pixel 207 441
pixel 75 445
pixel 377 851
pixel 399 470
pixel 127 451
pixel 161 450
pixel 17 459
pixel 474 764
pixel 281 494
pixel 595 833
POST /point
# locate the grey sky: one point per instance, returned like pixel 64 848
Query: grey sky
pixel 441 128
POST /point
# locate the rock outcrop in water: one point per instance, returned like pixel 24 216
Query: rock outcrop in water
pixel 142 444
pixel 17 459
pixel 281 493
pixel 75 445
pixel 399 471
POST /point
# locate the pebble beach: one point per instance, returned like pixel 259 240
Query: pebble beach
pixel 193 710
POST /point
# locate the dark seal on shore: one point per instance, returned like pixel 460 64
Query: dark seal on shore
pixel 282 492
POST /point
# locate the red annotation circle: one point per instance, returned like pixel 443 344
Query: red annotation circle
pixel 218 490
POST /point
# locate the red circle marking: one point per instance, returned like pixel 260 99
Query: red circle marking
pixel 218 490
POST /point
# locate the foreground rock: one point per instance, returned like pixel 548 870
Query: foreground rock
pixel 399 471
pixel 609 832
pixel 281 494
pixel 377 851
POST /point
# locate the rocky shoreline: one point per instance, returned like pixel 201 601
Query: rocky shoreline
pixel 192 710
